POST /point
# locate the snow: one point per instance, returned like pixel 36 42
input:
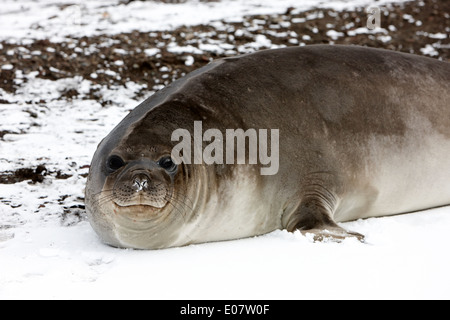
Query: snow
pixel 189 61
pixel 46 253
pixel 405 258
pixel 333 34
pixel 7 67
pixel 151 51
pixel 429 50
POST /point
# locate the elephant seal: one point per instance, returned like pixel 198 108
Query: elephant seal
pixel 363 133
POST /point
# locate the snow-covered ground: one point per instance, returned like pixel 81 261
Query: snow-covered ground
pixel 48 249
pixel 55 19
pixel 406 257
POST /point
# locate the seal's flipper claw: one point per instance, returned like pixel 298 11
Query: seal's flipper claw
pixel 332 234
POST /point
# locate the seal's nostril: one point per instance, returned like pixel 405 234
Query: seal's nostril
pixel 140 182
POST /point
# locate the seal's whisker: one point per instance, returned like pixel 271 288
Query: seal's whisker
pixel 178 206
pixel 102 200
pixel 180 201
pixel 103 191
pixel 185 198
pixel 178 210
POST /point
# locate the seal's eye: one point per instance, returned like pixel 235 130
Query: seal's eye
pixel 167 164
pixel 115 163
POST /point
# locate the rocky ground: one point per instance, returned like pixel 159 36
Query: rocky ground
pixel 157 58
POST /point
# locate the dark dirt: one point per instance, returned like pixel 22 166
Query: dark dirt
pixel 4 132
pixel 34 175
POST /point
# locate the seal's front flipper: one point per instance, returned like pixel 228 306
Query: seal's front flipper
pixel 314 218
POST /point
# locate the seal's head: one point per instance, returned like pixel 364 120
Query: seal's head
pixel 136 195
pixel 139 188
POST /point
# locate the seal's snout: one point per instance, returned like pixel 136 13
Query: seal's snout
pixel 139 185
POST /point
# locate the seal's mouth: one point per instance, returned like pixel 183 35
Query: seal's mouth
pixel 139 205
pixel 137 212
